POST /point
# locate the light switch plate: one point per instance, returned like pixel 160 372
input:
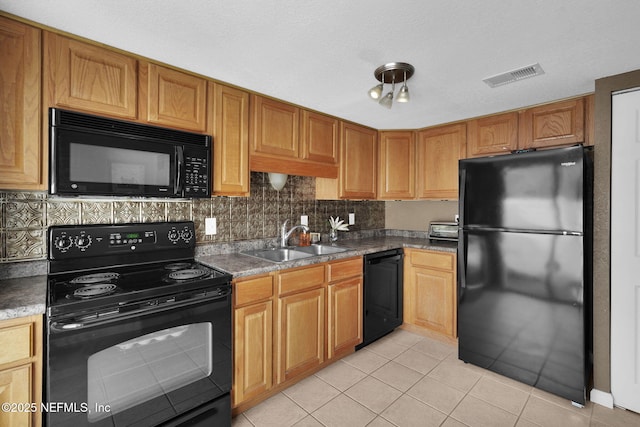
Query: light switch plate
pixel 304 220
pixel 352 218
pixel 210 226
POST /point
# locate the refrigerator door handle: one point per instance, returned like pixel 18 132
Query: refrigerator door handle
pixel 462 261
pixel 462 185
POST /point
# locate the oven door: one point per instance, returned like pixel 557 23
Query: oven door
pixel 85 163
pixel 144 368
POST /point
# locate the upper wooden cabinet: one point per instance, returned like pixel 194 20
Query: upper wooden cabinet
pixel 319 137
pixel 230 110
pixel 274 128
pixel 287 139
pixel 397 165
pixel 86 77
pixel 492 134
pixel 438 151
pixel 358 165
pixel 172 98
pixel 22 154
pixel 560 123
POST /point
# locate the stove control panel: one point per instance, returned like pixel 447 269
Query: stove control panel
pixel 82 241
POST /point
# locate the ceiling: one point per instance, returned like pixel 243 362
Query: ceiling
pixel 322 54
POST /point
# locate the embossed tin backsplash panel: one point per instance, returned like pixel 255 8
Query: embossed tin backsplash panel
pixel 25 216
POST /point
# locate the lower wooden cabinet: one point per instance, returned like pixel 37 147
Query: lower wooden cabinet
pixel 253 337
pixel 430 290
pixel 300 333
pixel 344 306
pixel 21 370
pixel 344 320
pixel 289 324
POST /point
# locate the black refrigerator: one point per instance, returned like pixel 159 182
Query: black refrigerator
pixel 524 267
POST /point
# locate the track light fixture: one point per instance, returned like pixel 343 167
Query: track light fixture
pixel 394 72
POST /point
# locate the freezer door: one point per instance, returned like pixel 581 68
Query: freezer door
pixel 540 190
pixel 521 308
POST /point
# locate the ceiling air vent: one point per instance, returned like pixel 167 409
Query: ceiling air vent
pixel 514 75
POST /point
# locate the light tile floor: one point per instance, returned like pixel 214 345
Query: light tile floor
pixel 405 379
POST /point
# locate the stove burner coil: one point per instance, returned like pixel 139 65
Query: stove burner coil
pixel 192 273
pixel 91 291
pixel 177 266
pixel 94 278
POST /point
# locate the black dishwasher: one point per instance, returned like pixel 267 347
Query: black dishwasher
pixel 382 294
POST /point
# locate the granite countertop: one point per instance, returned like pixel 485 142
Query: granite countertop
pixel 240 265
pixel 24 296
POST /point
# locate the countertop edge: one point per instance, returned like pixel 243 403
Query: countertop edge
pixel 239 265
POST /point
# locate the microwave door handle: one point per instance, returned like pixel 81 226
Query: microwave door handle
pixel 177 188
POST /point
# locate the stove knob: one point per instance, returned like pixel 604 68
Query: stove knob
pixel 83 242
pixel 173 235
pixel 187 235
pixel 63 243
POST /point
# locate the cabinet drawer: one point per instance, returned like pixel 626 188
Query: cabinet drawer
pixel 253 289
pixel 442 261
pixel 342 269
pixel 15 342
pixel 299 279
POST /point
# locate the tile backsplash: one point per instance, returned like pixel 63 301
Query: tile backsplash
pixel 25 216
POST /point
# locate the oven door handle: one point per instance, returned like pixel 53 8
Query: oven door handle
pixel 71 325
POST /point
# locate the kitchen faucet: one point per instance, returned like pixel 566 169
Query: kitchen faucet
pixel 284 234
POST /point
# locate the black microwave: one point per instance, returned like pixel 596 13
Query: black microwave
pixel 99 156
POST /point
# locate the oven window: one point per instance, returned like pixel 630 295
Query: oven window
pixel 135 371
pixel 93 163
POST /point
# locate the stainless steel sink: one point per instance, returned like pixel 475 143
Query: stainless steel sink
pixel 277 254
pixel 321 249
pixel 292 253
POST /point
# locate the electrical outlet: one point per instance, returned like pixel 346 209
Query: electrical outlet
pixel 352 218
pixel 210 226
pixel 304 220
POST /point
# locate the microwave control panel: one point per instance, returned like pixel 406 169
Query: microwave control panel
pixel 196 172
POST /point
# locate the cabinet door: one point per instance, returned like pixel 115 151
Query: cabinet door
pixel 397 171
pixel 496 134
pixel 301 333
pixel 230 140
pixel 431 300
pixel 560 123
pixel 319 137
pixel 344 321
pixel 22 155
pixel 172 98
pixel 90 78
pixel 253 349
pixel 438 152
pixel 358 162
pixel 275 128
pixel 15 387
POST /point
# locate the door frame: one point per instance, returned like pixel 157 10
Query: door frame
pixel 605 87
